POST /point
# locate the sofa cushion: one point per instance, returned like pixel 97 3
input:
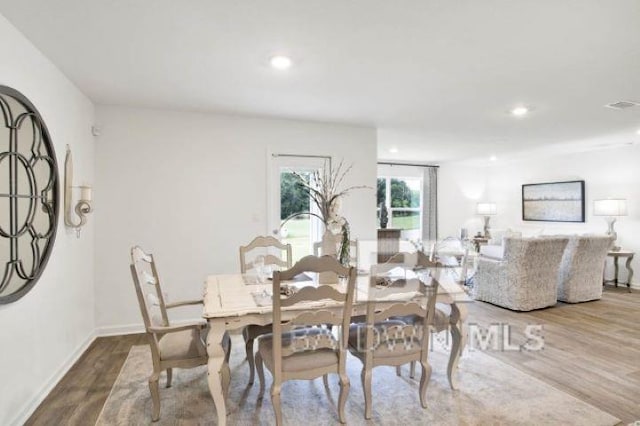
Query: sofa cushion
pixel 494 252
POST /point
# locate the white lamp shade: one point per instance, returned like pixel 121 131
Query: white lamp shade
pixel 611 207
pixel 486 209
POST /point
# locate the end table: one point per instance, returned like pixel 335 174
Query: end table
pixel 617 255
pixel 479 241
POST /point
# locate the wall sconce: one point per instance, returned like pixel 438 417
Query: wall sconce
pixel 83 206
pixel 487 210
pixel 611 208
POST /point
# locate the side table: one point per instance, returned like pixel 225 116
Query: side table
pixel 479 241
pixel 388 243
pixel 616 256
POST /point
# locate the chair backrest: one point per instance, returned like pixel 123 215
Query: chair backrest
pixel 353 251
pixel 583 264
pixel 413 296
pixel 265 242
pixel 150 296
pixel 415 260
pixel 338 296
pixel 536 258
pixel 148 290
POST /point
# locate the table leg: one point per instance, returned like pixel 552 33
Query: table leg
pixel 630 271
pixel 616 268
pixel 217 369
pixel 459 341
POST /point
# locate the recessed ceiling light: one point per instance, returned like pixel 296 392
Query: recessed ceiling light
pixel 393 150
pixel 280 62
pixel 493 158
pixel 520 111
pixel 638 132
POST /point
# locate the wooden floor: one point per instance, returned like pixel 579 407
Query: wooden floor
pixel 80 395
pixel 592 351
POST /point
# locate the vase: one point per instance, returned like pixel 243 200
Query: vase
pixel 328 244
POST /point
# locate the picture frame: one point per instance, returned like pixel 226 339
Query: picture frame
pixel 554 201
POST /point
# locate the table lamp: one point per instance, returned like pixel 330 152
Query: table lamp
pixel 611 208
pixel 487 210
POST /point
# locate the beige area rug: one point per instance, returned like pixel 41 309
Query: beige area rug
pixel 491 392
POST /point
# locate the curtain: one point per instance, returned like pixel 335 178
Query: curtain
pixel 430 204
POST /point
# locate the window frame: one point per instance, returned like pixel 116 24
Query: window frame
pixel 387 200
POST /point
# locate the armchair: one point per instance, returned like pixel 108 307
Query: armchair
pixel 526 278
pixel 580 275
pixel 172 346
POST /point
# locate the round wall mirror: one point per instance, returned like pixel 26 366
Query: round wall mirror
pixel 29 195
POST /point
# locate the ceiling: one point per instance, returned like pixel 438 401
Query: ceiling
pixel 437 78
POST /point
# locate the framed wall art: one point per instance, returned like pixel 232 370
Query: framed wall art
pixel 553 202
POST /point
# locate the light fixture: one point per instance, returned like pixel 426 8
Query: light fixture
pixel 493 158
pixel 611 208
pixel 393 150
pixel 281 62
pixel 83 206
pixel 487 210
pixel 520 111
pixel 638 132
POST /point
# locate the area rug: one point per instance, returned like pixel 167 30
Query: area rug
pixel 490 392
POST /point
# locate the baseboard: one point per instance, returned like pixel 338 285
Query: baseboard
pixel 634 286
pixel 28 409
pixel 119 330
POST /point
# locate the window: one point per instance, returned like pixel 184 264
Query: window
pixel 403 198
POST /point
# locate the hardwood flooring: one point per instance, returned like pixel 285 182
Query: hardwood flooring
pixel 78 398
pixel 592 351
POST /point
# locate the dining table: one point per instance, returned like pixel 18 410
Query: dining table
pixel 233 301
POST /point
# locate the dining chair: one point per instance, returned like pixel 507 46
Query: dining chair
pixel 302 345
pixel 353 251
pixel 269 245
pixel 172 346
pixel 384 339
pixel 417 261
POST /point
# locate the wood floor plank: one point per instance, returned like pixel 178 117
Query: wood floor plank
pixel 78 398
pixel 592 351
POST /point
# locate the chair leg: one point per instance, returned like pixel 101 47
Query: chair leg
pixel 260 369
pixel 275 401
pixel 412 370
pixel 169 376
pixel 155 396
pixel 325 381
pixel 248 346
pixel 227 356
pixel 342 399
pixel 366 387
pixel 399 370
pixel 424 381
pixel 226 381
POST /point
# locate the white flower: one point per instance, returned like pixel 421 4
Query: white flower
pixel 334 209
pixel 336 224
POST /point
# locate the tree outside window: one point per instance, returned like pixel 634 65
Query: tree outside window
pixel 403 199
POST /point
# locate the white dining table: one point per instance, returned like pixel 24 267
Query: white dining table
pixel 233 301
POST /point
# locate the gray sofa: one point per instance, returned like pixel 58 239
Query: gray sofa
pixel 527 276
pixel 582 268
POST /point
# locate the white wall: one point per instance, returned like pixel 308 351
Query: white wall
pixel 612 173
pixel 192 187
pixel 43 333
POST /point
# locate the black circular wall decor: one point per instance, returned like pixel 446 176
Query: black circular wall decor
pixel 29 195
